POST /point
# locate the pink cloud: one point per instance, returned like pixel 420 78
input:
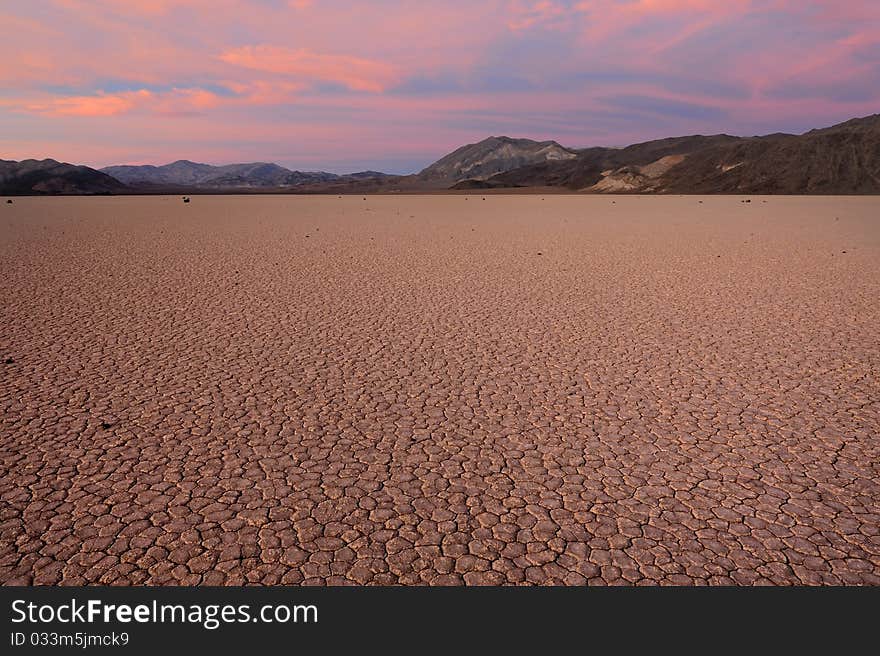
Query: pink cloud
pixel 265 92
pixel 606 18
pixel 98 105
pixel 525 15
pixel 147 7
pixel 174 102
pixel 185 102
pixel 355 73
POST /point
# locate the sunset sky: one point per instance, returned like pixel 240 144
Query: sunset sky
pixel 393 85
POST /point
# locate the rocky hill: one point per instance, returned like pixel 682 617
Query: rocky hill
pixel 843 159
pixel 47 176
pixel 491 156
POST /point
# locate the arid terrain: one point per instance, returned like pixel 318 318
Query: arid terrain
pixel 842 159
pixel 442 389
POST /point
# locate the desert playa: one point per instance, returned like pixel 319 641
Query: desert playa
pixel 447 389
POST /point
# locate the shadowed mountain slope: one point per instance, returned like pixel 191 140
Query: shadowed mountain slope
pixel 47 176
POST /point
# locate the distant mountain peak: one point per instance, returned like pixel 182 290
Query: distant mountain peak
pixel 493 155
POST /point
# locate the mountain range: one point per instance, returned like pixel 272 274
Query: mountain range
pixel 842 159
pixel 184 173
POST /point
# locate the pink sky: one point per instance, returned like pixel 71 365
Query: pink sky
pixel 393 85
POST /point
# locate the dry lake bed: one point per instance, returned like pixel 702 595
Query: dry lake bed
pixel 440 390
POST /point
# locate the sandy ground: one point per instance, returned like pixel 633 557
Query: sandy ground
pixel 440 390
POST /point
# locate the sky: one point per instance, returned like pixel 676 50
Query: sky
pixel 393 85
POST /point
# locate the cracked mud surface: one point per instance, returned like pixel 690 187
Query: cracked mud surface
pixel 440 390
